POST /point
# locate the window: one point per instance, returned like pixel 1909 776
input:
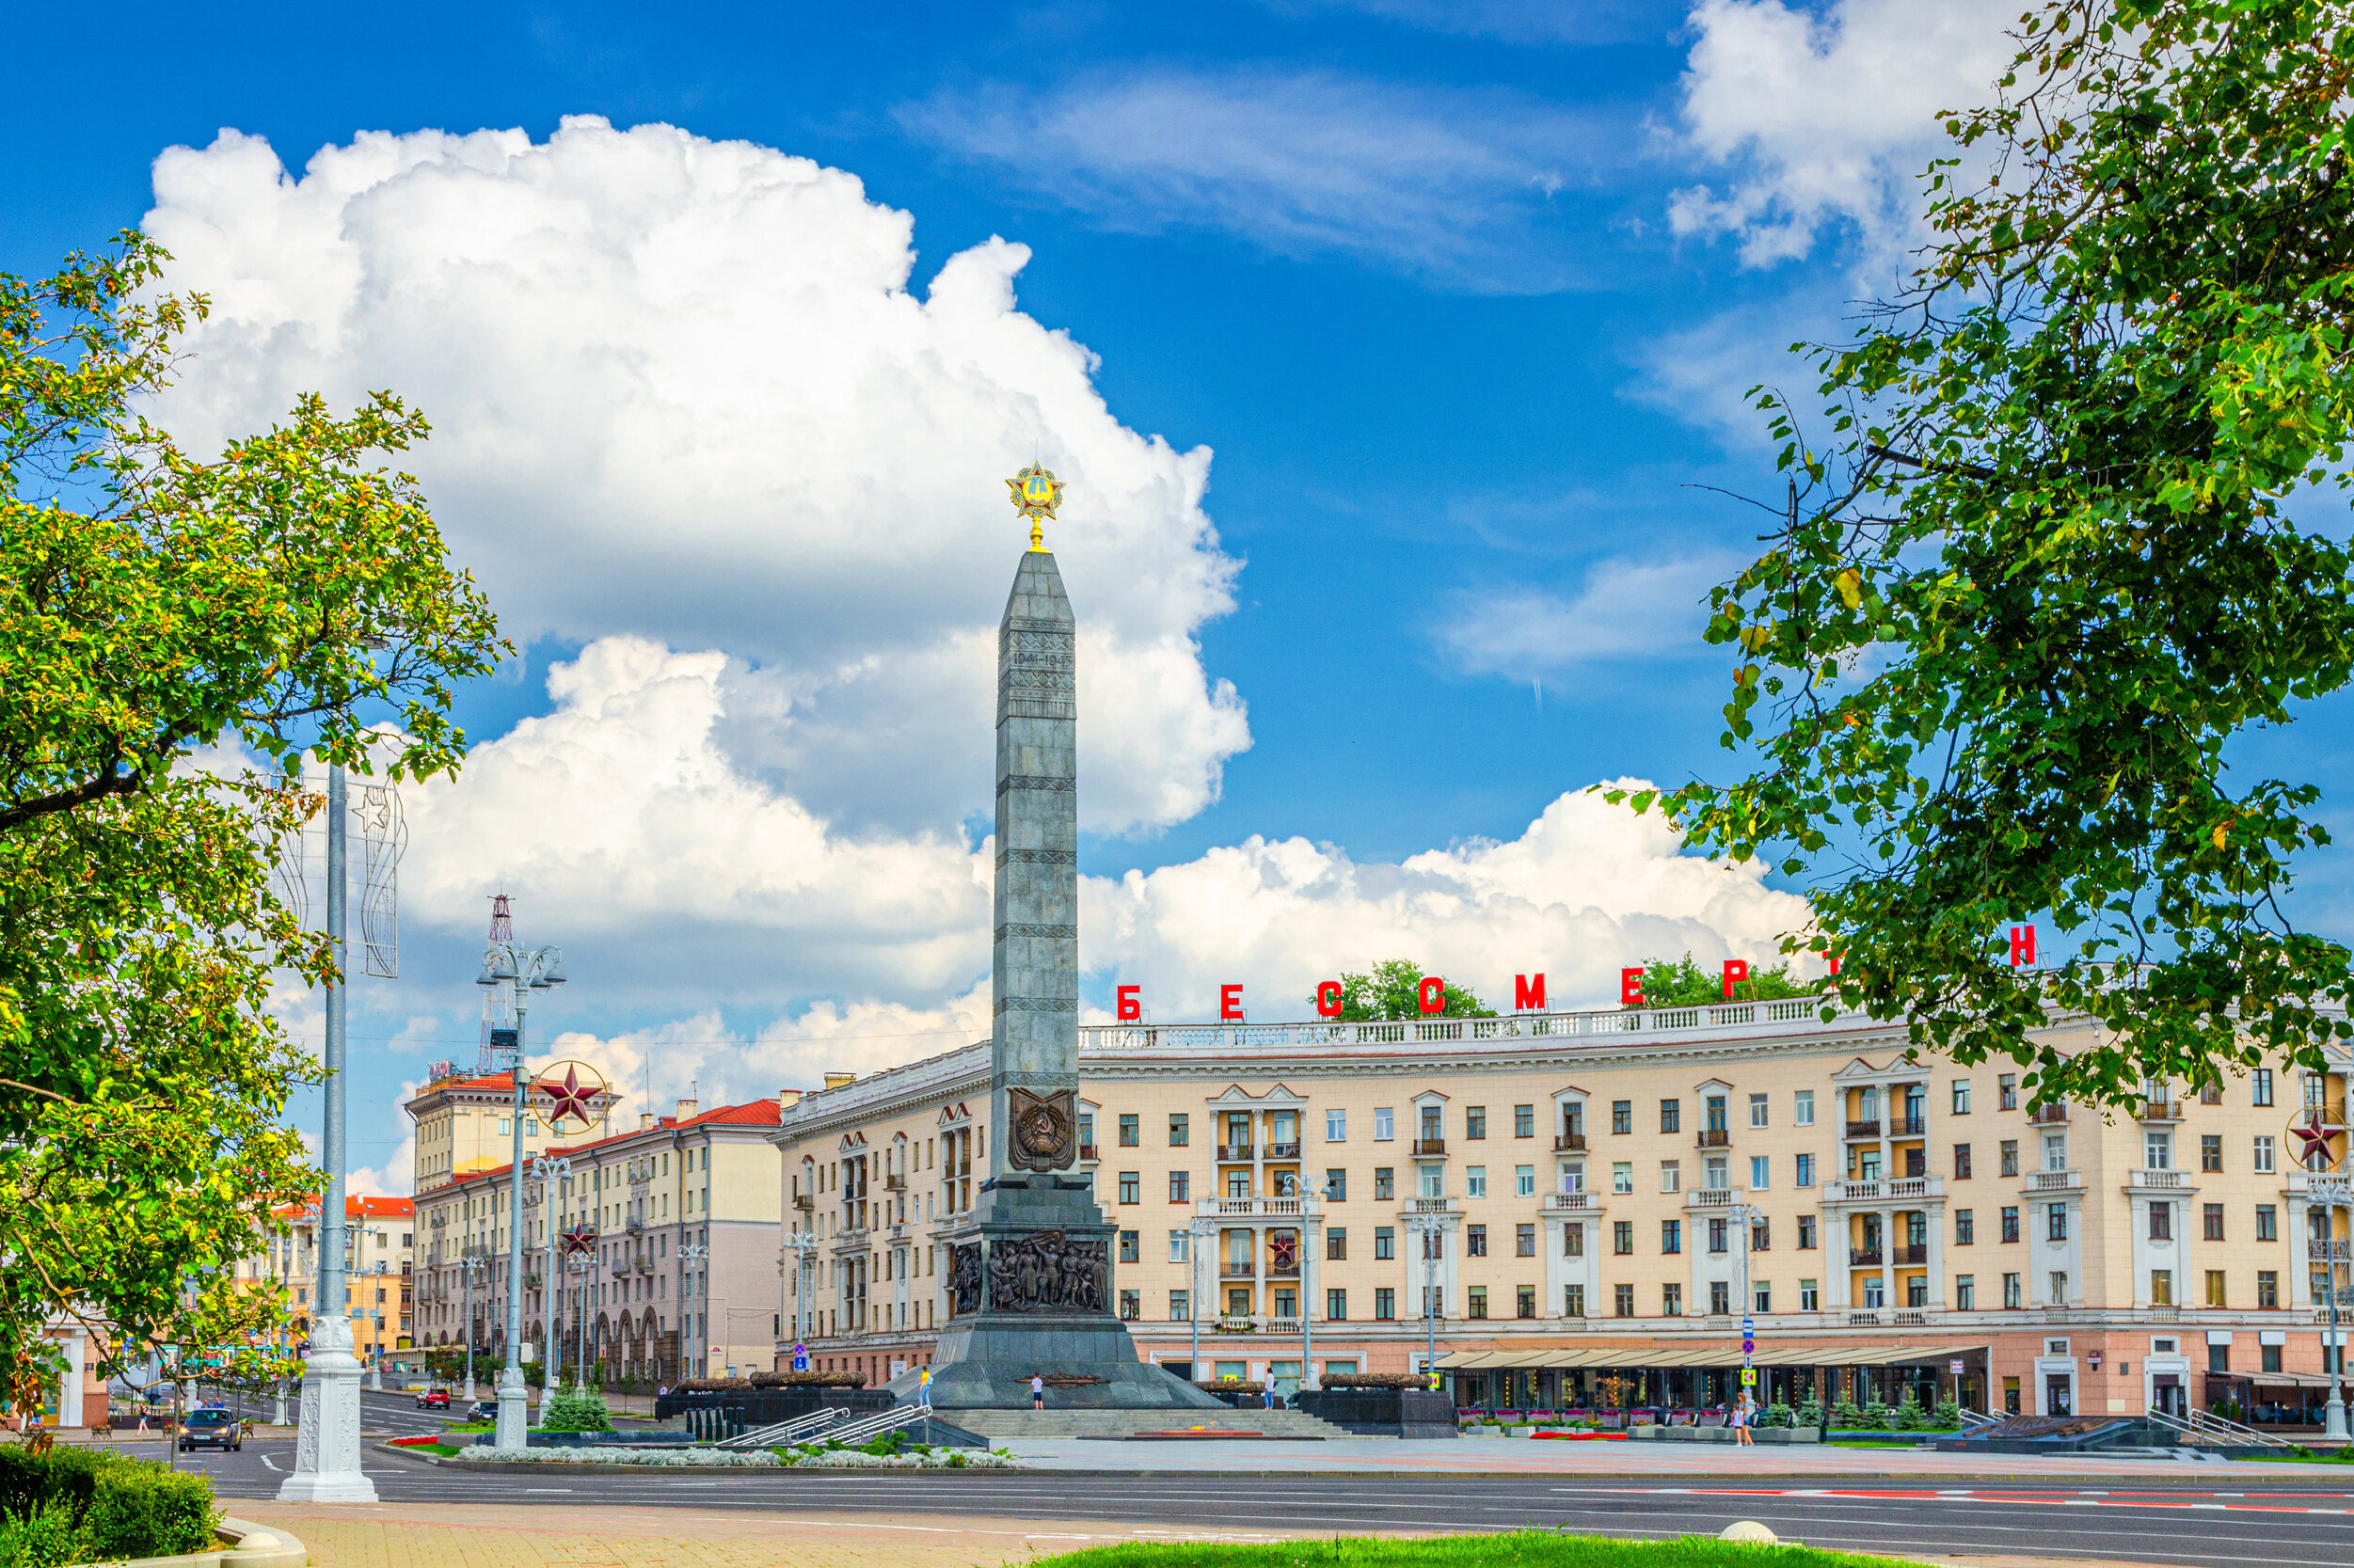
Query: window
pixel 1524 1126
pixel 1478 1295
pixel 1622 1300
pixel 1805 1177
pixel 2158 1151
pixel 1180 1246
pixel 1964 1227
pixel 1385 1124
pixel 1672 1300
pixel 1961 1097
pixel 1720 1297
pixel 1671 1235
pixel 1622 1236
pixel 2260 1093
pixel 2268 1294
pixel 1180 1129
pixel 1385 1304
pixel 2012 1298
pixel 2211 1151
pixel 2268 1222
pixel 507 1126
pixel 2060 1289
pixel 2212 1226
pixel 2011 1222
pixel 1806 1233
pixel 1671 1177
pixel 1573 1241
pixel 1336 1243
pixel 1803 1108
pixel 1761 1172
pixel 1180 1186
pixel 2161 1222
pixel 1809 1296
pixel 1385 1243
pixel 1336 1127
pixel 1671 1116
pixel 1130 1249
pixel 2214 1289
pixel 1961 1162
pixel 1622 1176
pixel 1474 1180
pixel 2054 1222
pixel 1474 1121
pixel 1573 1300
pixel 1524 1301
pixel 1335 1307
pixel 1131 1187
pixel 1131 1306
pixel 1385 1185
pixel 1130 1131
pixel 1180 1307
pixel 1965 1293
pixel 1336 1184
pixel 1718 1240
pixel 1475 1240
pixel 1524 1241
pixel 1237 1183
pixel 2011 1157
pixel 2263 1161
pixel 1622 1116
pixel 2161 1287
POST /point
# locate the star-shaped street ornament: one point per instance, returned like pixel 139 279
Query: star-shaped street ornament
pixel 578 1242
pixel 2314 1131
pixel 572 1097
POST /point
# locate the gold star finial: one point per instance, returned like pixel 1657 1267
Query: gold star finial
pixel 1036 494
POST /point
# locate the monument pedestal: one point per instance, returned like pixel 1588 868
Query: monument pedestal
pixel 327 1438
pixel 1030 1283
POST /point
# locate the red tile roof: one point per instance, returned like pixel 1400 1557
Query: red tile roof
pixel 357 1206
pixel 758 1113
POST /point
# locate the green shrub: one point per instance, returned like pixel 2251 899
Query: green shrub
pixel 1777 1415
pixel 43 1539
pixel 30 1483
pixel 1949 1416
pixel 1908 1416
pixel 574 1412
pixel 1847 1417
pixel 145 1509
pixel 1810 1413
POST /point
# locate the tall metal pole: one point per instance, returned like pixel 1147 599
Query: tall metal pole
pixel 514 1399
pixel 326 1439
pixel 2333 1417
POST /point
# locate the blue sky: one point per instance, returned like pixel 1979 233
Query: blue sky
pixel 1461 300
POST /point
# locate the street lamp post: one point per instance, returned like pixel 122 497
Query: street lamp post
pixel 548 1170
pixel 375 1348
pixel 2333 1190
pixel 1430 1227
pixel 688 1253
pixel 805 1244
pixel 521 970
pixel 467 1265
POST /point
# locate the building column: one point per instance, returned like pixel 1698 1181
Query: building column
pixel 1936 1258
pixel 1888 1256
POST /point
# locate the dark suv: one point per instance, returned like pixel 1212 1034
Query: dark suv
pixel 211 1429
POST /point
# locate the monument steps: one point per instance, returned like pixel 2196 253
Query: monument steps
pixel 1000 1424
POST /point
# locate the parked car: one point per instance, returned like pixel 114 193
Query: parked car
pixel 485 1410
pixel 433 1399
pixel 211 1429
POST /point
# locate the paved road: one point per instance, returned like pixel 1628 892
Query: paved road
pixel 2197 1522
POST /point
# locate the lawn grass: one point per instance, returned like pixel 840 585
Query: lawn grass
pixel 1520 1549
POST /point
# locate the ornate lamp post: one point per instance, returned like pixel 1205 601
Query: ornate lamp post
pixel 688 1253
pixel 805 1245
pixel 521 970
pixel 375 1348
pixel 548 1170
pixel 467 1265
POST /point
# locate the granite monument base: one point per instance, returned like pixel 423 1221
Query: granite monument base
pixel 1031 1282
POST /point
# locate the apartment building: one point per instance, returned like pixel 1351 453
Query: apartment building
pixel 1548 1202
pixel 679 1275
pixel 466 1125
pixel 379 1272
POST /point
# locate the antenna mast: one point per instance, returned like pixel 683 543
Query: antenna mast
pixel 498 1002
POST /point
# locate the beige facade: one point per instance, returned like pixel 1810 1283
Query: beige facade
pixel 465 1124
pixel 681 1278
pixel 1541 1190
pixel 379 1272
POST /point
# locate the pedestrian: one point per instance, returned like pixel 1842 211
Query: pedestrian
pixel 1741 1421
pixel 1038 1392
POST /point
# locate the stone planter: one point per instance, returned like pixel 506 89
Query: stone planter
pixel 1384 1412
pixel 251 1546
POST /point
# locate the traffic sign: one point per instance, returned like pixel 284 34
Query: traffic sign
pixel 800 1358
pixel 1748 1326
pixel 1749 1377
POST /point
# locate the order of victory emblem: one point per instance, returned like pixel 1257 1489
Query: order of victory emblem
pixel 1036 494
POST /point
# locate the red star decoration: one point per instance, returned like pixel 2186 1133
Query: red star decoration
pixel 568 1099
pixel 577 1240
pixel 2313 1135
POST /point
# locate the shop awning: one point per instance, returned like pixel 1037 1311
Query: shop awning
pixel 1724 1354
pixel 2277 1380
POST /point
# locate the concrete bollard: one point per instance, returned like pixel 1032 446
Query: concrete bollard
pixel 1748 1530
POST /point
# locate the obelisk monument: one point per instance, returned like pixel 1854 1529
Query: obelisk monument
pixel 1030 1277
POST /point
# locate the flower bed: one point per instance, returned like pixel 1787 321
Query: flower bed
pixel 914 1457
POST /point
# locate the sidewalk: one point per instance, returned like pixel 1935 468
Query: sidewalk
pixel 1526 1456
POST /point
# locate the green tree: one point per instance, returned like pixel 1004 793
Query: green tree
pixel 1685 984
pixel 176 635
pixel 1394 991
pixel 2062 535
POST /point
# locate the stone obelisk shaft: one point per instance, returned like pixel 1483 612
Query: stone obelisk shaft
pixel 1033 1058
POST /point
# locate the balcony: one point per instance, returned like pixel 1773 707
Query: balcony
pixel 1430 1206
pixel 1282 1271
pixel 1254 1208
pixel 2157 1181
pixel 1908 1127
pixel 2162 1110
pixel 2048 1116
pixel 1862 1258
pixel 1569 1143
pixel 1234 1154
pixel 2056 1182
pixel 1911 1319
pixel 1864 1129
pixel 1711 1198
pixel 1863 1320
pixel 2320 1251
pixel 1580 1202
pixel 1283 1151
pixel 895 1183
pixel 1903 1189
pixel 1716 1137
pixel 1238 1268
pixel 1430 1148
pixel 1909 1256
pixel 1087 1155
pixel 804 1202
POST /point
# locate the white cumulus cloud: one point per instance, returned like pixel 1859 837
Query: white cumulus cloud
pixel 683 390
pixel 1828 117
pixel 1587 889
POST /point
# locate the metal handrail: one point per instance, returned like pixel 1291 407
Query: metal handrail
pixel 866 1429
pixel 785 1432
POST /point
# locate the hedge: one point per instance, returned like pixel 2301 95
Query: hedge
pixel 112 1506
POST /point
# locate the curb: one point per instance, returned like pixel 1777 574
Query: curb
pixel 550 1468
pixel 252 1547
